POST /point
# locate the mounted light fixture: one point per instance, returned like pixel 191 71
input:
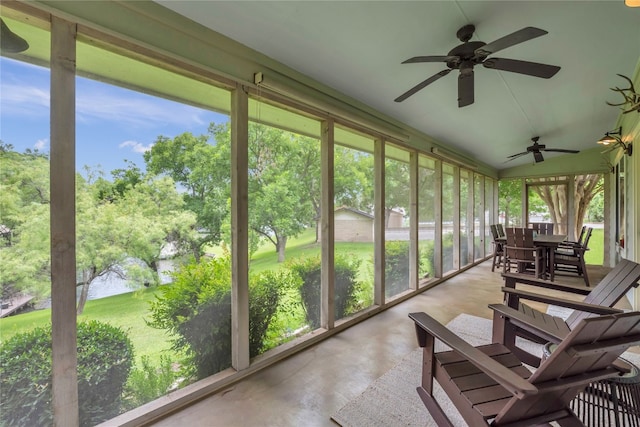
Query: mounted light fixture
pixel 612 140
pixel 632 3
pixel 11 42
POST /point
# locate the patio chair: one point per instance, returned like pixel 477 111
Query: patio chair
pixel 580 240
pixel 542 227
pixel 490 386
pixel 498 247
pixel 521 252
pixel 515 319
pixel 570 257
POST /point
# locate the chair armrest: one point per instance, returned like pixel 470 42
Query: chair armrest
pixel 499 373
pixel 576 305
pixel 512 278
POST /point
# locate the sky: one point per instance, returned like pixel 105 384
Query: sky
pixel 112 123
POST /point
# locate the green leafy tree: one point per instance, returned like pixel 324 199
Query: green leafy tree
pixel 280 204
pixel 110 231
pixel 396 177
pixel 203 169
pixel 510 201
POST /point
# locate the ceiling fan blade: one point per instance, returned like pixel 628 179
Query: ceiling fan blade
pixel 538 156
pixel 430 59
pixel 513 156
pixel 422 85
pixel 562 150
pixel 519 36
pixel 465 89
pixel 523 67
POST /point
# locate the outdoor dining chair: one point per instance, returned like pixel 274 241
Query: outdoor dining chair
pixel 570 258
pixel 542 227
pixel 498 247
pixel 521 252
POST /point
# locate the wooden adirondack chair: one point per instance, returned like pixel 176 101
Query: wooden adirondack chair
pixel 513 318
pixel 490 386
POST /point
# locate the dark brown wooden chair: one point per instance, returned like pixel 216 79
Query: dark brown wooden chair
pixel 498 247
pixel 570 257
pixel 542 227
pixel 521 252
pixel 580 240
pixel 515 319
pixel 490 386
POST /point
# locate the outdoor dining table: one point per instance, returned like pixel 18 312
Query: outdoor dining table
pixel 549 242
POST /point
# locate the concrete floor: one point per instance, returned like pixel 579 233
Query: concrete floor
pixel 307 388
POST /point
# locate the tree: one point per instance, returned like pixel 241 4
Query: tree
pixel 396 177
pixel 586 187
pixel 510 201
pixel 282 174
pixel 137 225
pixel 110 230
pixel 203 170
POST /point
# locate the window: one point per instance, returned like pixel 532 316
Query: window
pixel 397 219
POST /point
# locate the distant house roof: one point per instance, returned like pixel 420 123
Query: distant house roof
pixel 355 211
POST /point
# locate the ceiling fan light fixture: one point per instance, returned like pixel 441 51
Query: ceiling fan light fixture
pixel 10 41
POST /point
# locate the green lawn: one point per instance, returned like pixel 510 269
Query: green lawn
pixel 595 254
pixel 127 311
pixel 130 310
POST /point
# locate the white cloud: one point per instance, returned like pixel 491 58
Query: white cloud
pixel 95 102
pixel 41 144
pixel 136 147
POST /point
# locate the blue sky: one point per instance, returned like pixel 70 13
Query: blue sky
pixel 112 123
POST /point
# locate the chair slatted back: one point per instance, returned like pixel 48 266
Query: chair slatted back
pixel 584 356
pixel 542 227
pixel 494 232
pixel 624 276
pixel 500 230
pixel 581 237
pixel 586 237
pixel 518 238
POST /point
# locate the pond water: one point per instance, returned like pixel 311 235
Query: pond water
pixel 111 284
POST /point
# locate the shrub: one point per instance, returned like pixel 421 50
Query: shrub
pixel 148 382
pixel 196 310
pixel 346 286
pixel 105 357
pixel 396 267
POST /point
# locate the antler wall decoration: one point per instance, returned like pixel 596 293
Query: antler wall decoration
pixel 631 97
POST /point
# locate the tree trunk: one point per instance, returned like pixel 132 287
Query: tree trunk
pixel 280 247
pixel 586 188
pixel 87 278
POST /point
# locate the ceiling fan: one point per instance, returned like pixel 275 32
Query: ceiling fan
pixel 465 56
pixel 537 149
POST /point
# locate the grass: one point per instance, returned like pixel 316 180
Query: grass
pixel 127 311
pixel 595 254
